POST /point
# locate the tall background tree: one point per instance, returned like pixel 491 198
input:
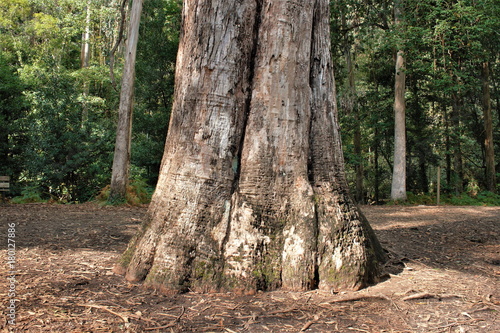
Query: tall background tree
pixel 398 188
pixel 121 158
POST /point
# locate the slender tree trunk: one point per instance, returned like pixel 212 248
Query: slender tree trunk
pixel 488 130
pixel 458 177
pixel 352 105
pixel 252 193
pixel 85 61
pixel 118 42
pixel 360 198
pixel 398 188
pixel 422 149
pixel 85 52
pixel 121 160
pixel 448 148
pixel 377 168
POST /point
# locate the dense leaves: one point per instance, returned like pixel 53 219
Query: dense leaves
pixel 445 43
pixel 57 118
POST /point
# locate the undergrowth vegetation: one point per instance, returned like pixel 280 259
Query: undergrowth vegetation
pixel 464 199
pixel 138 193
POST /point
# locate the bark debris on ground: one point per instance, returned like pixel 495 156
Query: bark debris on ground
pixel 443 276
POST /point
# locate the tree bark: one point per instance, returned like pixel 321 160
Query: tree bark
pixel 398 187
pixel 252 193
pixel 488 130
pixel 121 159
pixel 85 51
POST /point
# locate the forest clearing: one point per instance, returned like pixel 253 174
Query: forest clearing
pixel 253 131
pixel 443 276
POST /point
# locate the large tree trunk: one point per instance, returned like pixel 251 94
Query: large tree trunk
pixel 252 193
pixel 121 159
pixel 398 187
pixel 488 130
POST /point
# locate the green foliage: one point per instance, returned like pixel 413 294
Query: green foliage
pixel 421 199
pixel 12 110
pixel 464 199
pixel 155 67
pixel 481 199
pixel 28 195
pixel 57 119
pixel 138 193
pixel 67 156
pixel 445 44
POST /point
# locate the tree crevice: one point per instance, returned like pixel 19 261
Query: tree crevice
pixel 236 164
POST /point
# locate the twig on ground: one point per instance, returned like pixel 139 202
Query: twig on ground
pixel 283 311
pixel 360 298
pixel 457 323
pixel 357 329
pixel 95 306
pixel 171 324
pixel 311 322
pixel 425 295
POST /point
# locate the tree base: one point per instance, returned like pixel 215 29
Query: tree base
pixel 326 245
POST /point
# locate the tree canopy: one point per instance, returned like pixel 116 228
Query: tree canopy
pixel 58 119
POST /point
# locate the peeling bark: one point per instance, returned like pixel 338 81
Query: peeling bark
pixel 252 193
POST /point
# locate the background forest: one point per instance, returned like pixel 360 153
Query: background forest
pixel 61 63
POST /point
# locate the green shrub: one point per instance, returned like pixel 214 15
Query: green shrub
pixel 138 193
pixel 489 198
pixel 420 199
pixel 481 199
pixel 28 195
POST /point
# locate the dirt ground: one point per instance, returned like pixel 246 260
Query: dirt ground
pixel 443 276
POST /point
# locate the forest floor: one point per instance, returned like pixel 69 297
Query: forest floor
pixel 443 276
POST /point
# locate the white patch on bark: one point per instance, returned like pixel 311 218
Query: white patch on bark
pixel 337 258
pixel 293 247
pixel 241 243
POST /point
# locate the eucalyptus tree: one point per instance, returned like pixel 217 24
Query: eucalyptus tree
pixel 398 189
pixel 121 158
pixel 252 192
